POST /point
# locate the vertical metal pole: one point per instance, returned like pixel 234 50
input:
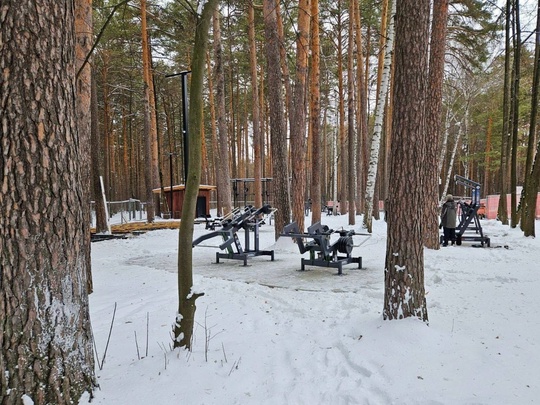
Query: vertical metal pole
pixel 185 131
pixel 172 194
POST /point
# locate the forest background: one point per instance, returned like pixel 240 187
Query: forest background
pixel 476 140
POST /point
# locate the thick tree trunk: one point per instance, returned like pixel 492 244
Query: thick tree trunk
pixel 404 294
pixel 277 120
pixel 183 328
pixel 45 335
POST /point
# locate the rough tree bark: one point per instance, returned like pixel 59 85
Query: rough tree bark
pixel 45 335
pixel 404 291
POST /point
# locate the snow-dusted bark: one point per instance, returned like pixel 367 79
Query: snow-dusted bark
pixel 377 128
pixel 45 333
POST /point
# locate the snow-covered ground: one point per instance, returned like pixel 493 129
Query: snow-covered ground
pixel 271 334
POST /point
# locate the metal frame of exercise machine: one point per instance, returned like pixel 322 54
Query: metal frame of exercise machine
pixel 249 219
pixel 469 227
pixel 322 252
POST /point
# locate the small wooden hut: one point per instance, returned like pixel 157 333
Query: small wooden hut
pixel 175 200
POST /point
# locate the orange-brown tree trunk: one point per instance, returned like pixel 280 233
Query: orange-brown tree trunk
pixel 298 116
pixel 314 115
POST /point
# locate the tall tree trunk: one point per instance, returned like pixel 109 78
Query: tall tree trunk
pixel 515 119
pixel 277 120
pixel 341 175
pixel 284 63
pixel 351 134
pixel 185 319
pixel 151 179
pixel 256 120
pixel 83 35
pixel 430 217
pixel 503 208
pixel 298 116
pixel 487 174
pixel 223 175
pixel 378 126
pixel 97 166
pixel 314 115
pixel 404 291
pixel 362 116
pixel 215 143
pixel 532 180
pixel 45 334
pixel 106 123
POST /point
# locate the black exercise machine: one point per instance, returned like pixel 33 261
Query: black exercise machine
pixel 249 219
pixel 469 227
pixel 322 252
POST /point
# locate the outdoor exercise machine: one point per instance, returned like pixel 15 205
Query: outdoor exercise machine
pixel 249 219
pixel 469 227
pixel 322 252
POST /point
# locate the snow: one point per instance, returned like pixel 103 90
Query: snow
pixel 271 334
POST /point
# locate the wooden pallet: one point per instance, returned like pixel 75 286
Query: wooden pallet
pixel 142 226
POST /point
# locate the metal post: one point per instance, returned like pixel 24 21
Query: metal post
pixel 185 124
pixel 172 194
pixel 185 131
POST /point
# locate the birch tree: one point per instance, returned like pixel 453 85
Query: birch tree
pixel 378 126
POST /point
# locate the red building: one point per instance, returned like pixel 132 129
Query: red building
pixel 175 200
